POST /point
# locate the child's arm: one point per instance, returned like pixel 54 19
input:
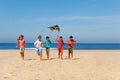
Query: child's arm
pixel 35 45
pixel 76 42
pixel 43 44
pixel 63 43
pixel 17 44
pixel 50 42
pixel 25 43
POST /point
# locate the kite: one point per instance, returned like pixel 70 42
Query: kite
pixel 55 27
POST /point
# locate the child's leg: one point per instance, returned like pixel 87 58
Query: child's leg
pixel 40 51
pixel 40 56
pixel 69 51
pixel 47 53
pixel 22 54
pixel 59 53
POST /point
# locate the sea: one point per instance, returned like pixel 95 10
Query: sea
pixel 79 46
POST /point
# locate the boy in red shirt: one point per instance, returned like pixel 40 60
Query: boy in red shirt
pixel 60 46
pixel 71 42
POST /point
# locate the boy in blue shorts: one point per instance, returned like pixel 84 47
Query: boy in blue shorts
pixel 38 46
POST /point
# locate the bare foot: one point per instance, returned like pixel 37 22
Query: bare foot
pixel 48 58
pixel 61 58
pixel 41 60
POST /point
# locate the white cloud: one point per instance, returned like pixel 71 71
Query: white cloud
pixel 86 17
pixel 104 19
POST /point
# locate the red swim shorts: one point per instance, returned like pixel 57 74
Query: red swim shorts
pixel 60 50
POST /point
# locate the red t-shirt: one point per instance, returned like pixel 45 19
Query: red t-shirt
pixel 71 43
pixel 60 43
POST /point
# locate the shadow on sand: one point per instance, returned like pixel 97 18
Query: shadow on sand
pixel 30 59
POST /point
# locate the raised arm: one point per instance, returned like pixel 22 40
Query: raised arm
pixel 56 39
pixel 35 44
pixel 76 42
pixel 17 44
pixel 25 43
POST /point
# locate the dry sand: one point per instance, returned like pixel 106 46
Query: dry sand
pixel 86 65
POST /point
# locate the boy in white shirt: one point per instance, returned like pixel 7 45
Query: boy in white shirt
pixel 38 46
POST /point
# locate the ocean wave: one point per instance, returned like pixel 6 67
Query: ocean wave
pixel 42 48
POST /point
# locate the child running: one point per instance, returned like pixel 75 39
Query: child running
pixel 60 46
pixel 71 42
pixel 47 45
pixel 38 46
pixel 22 44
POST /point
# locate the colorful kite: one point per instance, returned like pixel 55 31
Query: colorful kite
pixel 55 27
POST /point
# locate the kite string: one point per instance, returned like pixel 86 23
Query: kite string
pixel 58 33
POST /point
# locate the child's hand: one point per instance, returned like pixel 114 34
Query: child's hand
pixel 43 45
pixel 76 43
pixel 16 46
pixel 37 47
pixel 57 38
pixel 63 45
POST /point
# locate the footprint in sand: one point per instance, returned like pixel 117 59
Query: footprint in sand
pixel 32 70
pixel 13 74
pixel 5 77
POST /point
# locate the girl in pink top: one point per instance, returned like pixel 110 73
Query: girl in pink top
pixel 22 45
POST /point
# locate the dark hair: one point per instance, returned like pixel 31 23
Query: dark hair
pixel 61 37
pixel 71 37
pixel 22 36
pixel 39 36
pixel 47 37
pixel 18 38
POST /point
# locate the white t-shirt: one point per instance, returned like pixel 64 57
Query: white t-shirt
pixel 38 44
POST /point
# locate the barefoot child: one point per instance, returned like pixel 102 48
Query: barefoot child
pixel 22 45
pixel 60 46
pixel 71 42
pixel 38 46
pixel 47 45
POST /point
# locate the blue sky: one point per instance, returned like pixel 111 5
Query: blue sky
pixel 89 21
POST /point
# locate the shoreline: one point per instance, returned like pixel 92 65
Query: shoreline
pixel 63 49
pixel 80 46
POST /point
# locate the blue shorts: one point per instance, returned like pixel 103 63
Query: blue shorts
pixel 39 51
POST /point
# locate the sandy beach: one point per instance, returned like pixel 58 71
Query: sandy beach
pixel 86 65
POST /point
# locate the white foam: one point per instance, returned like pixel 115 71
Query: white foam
pixel 42 48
